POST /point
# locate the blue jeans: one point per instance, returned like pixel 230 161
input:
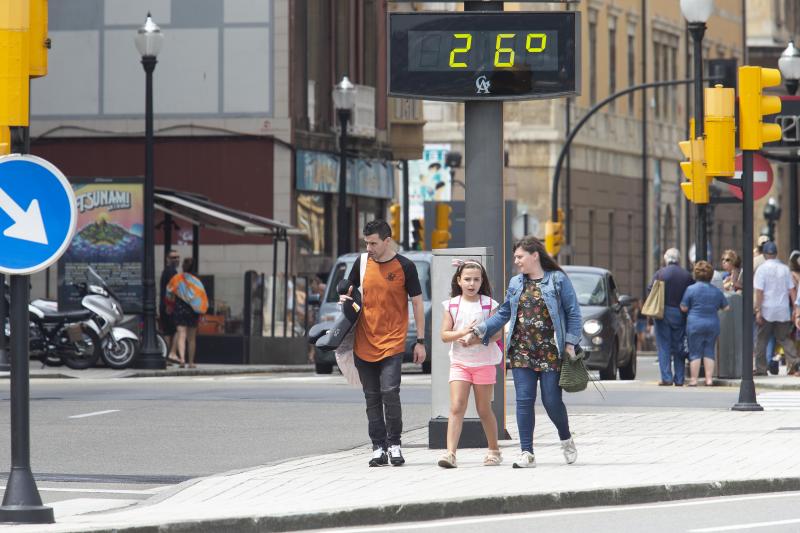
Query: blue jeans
pixel 525 381
pixel 670 333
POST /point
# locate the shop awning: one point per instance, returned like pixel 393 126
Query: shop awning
pixel 200 211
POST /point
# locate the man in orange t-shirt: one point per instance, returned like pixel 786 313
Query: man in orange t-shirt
pixel 380 337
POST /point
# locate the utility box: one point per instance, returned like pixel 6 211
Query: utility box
pixel 472 435
pixel 729 352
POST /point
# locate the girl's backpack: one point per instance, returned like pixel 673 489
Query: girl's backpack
pixel 487 307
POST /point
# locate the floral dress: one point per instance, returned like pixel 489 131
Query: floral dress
pixel 533 341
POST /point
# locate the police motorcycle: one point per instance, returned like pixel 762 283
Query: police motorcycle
pixel 117 345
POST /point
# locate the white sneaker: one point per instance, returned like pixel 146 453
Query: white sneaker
pixel 570 451
pixel 526 460
pixel 396 455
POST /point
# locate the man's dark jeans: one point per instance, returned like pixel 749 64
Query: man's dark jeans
pixel 381 384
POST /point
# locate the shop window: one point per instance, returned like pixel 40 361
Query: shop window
pixel 311 219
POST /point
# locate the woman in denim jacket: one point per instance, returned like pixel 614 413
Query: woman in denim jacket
pixel 545 328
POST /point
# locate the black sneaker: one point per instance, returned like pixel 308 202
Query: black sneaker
pixel 396 456
pixel 379 457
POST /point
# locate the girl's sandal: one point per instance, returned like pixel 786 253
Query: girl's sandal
pixel 493 458
pixel 448 460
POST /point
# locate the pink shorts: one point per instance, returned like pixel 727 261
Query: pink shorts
pixel 477 375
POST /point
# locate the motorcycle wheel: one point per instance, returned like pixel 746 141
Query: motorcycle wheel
pixel 84 353
pixel 162 346
pixel 120 354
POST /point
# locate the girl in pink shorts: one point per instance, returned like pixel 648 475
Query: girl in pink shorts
pixel 470 366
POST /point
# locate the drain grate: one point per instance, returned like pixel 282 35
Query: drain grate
pixel 789 429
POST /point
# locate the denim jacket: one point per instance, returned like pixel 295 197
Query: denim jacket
pixel 562 304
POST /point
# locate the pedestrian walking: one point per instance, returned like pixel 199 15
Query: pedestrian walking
pixel 380 336
pixel 671 330
pixel 701 302
pixel 732 265
pixel 473 366
pixel 164 311
pixel 190 301
pixel 775 294
pixel 545 328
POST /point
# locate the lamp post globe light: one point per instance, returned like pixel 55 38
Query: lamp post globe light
pixel 696 13
pixel 789 65
pixel 344 101
pixel 148 42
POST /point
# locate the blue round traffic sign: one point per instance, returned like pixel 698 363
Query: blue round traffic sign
pixel 37 214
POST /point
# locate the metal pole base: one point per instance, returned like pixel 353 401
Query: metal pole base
pixel 472 434
pixel 149 360
pixel 747 397
pixel 22 503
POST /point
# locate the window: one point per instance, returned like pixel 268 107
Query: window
pixel 631 70
pixel 592 57
pixel 657 72
pixel 612 60
pixel 311 219
pixel 611 241
pixel 591 237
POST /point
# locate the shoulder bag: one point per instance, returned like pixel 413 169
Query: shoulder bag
pixel 654 304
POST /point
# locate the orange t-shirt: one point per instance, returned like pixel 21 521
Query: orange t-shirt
pixel 383 325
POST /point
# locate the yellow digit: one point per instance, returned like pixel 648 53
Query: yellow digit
pixel 500 50
pixel 454 51
pixel 542 44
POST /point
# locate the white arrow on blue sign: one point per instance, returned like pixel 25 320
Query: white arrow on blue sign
pixel 37 214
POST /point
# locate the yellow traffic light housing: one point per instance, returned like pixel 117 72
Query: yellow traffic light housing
pixel 696 189
pixel 394 221
pixel 5 140
pixel 554 234
pixel 15 51
pixel 720 131
pixel 440 237
pixel 39 42
pixel 753 105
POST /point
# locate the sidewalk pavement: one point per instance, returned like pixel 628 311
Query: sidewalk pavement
pixel 624 457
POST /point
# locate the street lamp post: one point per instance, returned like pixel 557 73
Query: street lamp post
pixel 344 100
pixel 697 12
pixel 148 41
pixel 789 65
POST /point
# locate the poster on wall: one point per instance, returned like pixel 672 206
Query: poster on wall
pixel 428 180
pixel 109 238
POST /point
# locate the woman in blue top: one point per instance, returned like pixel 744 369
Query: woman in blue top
pixel 702 301
pixel 545 328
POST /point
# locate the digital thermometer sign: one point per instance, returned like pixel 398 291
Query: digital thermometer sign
pixel 484 55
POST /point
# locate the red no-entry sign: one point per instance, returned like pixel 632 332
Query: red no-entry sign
pixel 762 177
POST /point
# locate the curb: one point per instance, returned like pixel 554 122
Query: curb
pixel 277 369
pixel 444 509
pixel 758 384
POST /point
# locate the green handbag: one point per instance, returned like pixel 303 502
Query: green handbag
pixel 574 376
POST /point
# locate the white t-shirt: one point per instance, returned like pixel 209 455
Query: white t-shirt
pixel 463 313
pixel 775 279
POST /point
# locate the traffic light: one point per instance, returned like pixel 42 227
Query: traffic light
pixel 39 42
pixel 753 105
pixel 394 221
pixel 5 140
pixel 15 47
pixel 720 131
pixel 696 189
pixel 554 234
pixel 441 235
pixel 418 234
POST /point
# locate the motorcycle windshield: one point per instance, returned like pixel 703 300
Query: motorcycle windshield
pixel 93 278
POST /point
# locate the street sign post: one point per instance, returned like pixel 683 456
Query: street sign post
pixel 763 177
pixel 37 222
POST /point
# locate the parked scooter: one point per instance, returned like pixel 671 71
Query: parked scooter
pixel 118 345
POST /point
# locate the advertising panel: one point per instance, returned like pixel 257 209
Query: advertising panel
pixel 109 237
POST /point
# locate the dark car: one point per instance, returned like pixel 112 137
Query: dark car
pixel 329 308
pixel 608 337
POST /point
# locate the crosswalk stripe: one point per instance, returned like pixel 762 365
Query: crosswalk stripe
pixel 784 401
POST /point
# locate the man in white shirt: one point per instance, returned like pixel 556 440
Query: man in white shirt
pixel 775 294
